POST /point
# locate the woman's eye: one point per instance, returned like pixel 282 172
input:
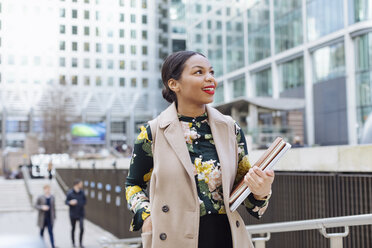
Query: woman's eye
pixel 212 72
pixel 198 72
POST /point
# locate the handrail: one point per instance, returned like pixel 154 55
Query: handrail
pixel 352 220
pixel 26 178
pixel 61 182
pixel 320 224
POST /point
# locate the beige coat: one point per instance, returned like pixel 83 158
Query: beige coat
pixel 174 200
pixel 41 200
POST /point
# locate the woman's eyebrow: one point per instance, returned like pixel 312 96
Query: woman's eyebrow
pixel 201 67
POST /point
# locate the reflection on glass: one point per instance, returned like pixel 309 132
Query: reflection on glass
pixel 92 194
pixel 263 83
pixel 117 189
pixel 234 42
pixel 360 10
pixel 329 62
pixel 99 185
pixel 238 86
pixel 117 201
pixel 323 17
pixel 219 96
pixel 258 16
pixel 108 198
pixel 108 187
pixel 291 74
pixel 99 196
pixel 288 24
pixel 92 184
pixel 363 76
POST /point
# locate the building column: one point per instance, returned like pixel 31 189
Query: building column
pixel 3 129
pixel 308 69
pixel 252 120
pixel 108 129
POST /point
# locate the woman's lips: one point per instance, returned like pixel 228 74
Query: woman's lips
pixel 209 90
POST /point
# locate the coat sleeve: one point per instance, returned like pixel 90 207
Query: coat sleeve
pixel 68 198
pixel 255 207
pixel 38 203
pixel 139 175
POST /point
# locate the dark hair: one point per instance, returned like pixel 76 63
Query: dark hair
pixel 77 181
pixel 172 68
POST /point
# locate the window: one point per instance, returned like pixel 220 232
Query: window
pixel 74 62
pixel 121 33
pixel 98 81
pixel 98 63
pixel 62 13
pixel 144 34
pixel 74 46
pixel 133 34
pixel 133 49
pixel 74 13
pixel 133 18
pixel 133 65
pixel 86 14
pixel 98 15
pixel 145 82
pixel 133 82
pixel 86 46
pixel 121 2
pixel 110 33
pixel 74 80
pixel 97 32
pixel 86 81
pixel 110 64
pixel 62 45
pixel 110 81
pixel 86 30
pixel 86 1
pixel 145 66
pixel 144 4
pixel 62 62
pixel 144 19
pixel 62 29
pixel 110 48
pixel 121 64
pixel 122 82
pixel 74 30
pixel 133 3
pixel 121 49
pixel 62 79
pixel 144 50
pixel 98 47
pixel 86 63
pixel 121 18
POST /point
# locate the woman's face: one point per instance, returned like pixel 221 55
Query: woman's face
pixel 197 84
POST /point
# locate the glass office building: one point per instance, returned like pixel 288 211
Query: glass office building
pixel 276 54
pixel 103 55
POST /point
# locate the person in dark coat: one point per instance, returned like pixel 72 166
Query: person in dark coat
pixel 45 204
pixel 76 201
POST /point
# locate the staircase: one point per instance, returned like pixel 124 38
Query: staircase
pixel 13 196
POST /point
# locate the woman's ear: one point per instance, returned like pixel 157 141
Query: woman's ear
pixel 173 85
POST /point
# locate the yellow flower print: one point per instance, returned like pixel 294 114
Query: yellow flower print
pixel 131 190
pixel 222 210
pixel 143 134
pixel 203 168
pixel 147 176
pixel 243 167
pixel 145 215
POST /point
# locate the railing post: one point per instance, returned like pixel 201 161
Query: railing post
pixel 335 238
pixel 260 242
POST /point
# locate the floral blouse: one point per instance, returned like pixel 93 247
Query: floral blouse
pixel 207 170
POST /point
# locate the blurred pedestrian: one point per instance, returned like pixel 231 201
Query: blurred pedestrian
pixel 76 201
pixel 45 204
pixel 50 168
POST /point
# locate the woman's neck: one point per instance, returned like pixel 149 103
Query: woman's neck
pixel 191 110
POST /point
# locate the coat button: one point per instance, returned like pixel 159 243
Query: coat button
pixel 237 223
pixel 165 208
pixel 163 236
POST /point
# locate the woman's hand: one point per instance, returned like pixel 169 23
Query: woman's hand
pixel 259 182
pixel 147 225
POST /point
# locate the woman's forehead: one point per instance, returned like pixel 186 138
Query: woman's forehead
pixel 197 61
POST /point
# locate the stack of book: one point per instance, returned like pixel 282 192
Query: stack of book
pixel 266 161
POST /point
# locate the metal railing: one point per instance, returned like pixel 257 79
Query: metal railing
pixel 259 242
pixel 26 178
pixel 317 224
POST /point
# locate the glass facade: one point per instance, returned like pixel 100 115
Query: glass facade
pixel 291 74
pixel 238 87
pixel 235 42
pixel 258 17
pixel 219 96
pixel 214 42
pixel 329 62
pixel 360 10
pixel 263 83
pixel 288 24
pixel 323 17
pixel 363 69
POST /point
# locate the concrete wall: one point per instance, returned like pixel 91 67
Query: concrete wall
pixel 326 158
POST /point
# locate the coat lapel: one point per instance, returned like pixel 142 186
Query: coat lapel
pixel 175 137
pixel 222 134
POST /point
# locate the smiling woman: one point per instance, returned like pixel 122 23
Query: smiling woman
pixel 188 204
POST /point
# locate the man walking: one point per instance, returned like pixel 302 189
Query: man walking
pixel 45 204
pixel 76 201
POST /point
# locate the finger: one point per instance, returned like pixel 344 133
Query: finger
pixel 259 171
pixel 252 184
pixel 255 176
pixel 270 173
